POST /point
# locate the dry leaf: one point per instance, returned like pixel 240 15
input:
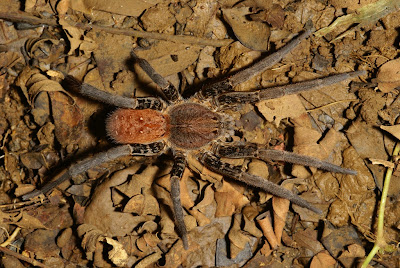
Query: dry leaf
pixel 277 109
pixel 280 207
pixel 388 77
pixel 307 240
pixel 267 229
pixel 118 254
pixel 323 260
pixel 394 130
pixel 350 256
pixel 252 34
pixel 229 200
pixel 236 236
pixel 123 7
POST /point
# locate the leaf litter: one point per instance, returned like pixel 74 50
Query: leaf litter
pixel 120 213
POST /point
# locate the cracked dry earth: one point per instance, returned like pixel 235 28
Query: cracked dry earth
pixel 119 214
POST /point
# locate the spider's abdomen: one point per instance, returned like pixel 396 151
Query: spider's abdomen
pixel 137 126
pixel 193 125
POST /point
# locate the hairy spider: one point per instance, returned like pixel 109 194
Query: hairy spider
pixel 149 126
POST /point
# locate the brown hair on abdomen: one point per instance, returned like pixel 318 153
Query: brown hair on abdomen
pixel 137 126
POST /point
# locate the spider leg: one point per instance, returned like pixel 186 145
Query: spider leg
pixel 229 83
pixel 253 150
pixel 98 159
pixel 111 99
pixel 230 98
pixel 176 176
pixel 215 164
pixel 169 90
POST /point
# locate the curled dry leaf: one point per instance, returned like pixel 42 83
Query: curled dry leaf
pixel 118 254
pixel 264 220
pixel 237 237
pixel 229 200
pixel 252 34
pixel 44 49
pixel 77 38
pixel 67 116
pixel 102 213
pixel 388 77
pixel 280 207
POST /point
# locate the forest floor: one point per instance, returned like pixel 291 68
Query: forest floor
pixel 120 213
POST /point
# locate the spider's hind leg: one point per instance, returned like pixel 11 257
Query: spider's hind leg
pixel 215 164
pixel 98 159
pixel 176 175
pixel 253 150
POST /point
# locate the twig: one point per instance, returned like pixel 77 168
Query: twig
pixel 11 237
pixel 22 257
pixel 329 104
pixel 380 242
pixel 186 39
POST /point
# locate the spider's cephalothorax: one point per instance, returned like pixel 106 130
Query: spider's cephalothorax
pixel 150 126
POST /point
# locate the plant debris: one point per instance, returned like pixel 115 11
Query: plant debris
pixel 120 213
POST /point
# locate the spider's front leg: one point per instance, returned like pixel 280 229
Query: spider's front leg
pixel 98 159
pixel 253 150
pixel 235 172
pixel 176 175
pixel 231 98
pixel 245 74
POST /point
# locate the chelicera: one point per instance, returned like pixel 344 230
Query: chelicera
pixel 150 126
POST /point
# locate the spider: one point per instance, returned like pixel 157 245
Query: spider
pixel 148 126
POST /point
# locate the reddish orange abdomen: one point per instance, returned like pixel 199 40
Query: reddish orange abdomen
pixel 137 126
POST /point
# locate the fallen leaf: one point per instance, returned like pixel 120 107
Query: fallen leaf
pixel 252 34
pixel 130 8
pixel 118 254
pixel 388 77
pixel 323 259
pixel 229 200
pixel 277 109
pixel 264 220
pixel 237 238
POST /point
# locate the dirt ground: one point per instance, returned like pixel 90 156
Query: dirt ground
pixel 119 214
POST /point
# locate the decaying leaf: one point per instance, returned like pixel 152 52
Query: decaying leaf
pixel 67 116
pixel 229 200
pixel 118 254
pixel 238 239
pixel 264 220
pixel 388 77
pixel 130 8
pixel 323 259
pixel 394 130
pixel 252 34
pixel 277 109
pixel 102 213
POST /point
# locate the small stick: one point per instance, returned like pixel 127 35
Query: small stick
pixel 22 257
pixel 185 39
pixel 11 238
